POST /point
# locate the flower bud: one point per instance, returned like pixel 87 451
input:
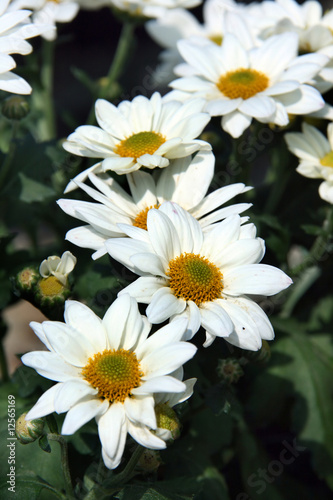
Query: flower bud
pixel 149 461
pixel 230 370
pixel 27 431
pixel 167 419
pixel 26 279
pixel 15 108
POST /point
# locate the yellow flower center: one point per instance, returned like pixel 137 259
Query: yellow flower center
pixel 216 39
pixel 140 144
pixel 193 277
pixel 114 373
pixel 141 219
pixel 327 160
pixel 244 83
pixel 51 286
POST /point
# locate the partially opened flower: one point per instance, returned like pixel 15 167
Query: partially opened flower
pixel 142 133
pixel 168 425
pixel 185 181
pixel 315 152
pixel 59 267
pixel 204 276
pixel 109 370
pixel 266 83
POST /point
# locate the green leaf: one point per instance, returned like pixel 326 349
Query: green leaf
pixel 312 229
pixel 27 488
pixel 309 374
pixel 32 190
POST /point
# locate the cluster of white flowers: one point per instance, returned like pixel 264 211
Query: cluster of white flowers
pixel 15 28
pixel 198 262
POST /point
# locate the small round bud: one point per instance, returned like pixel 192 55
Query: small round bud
pixel 27 279
pixel 229 370
pixel 150 461
pixel 27 431
pixel 15 108
pixel 167 419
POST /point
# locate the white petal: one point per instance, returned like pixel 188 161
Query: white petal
pixel 170 333
pixel 85 321
pixel 246 333
pixel 144 437
pixel 235 123
pixel 45 404
pixel 241 252
pixel 112 430
pixel 71 392
pixel 159 384
pixel 258 279
pixel 163 236
pixel 81 413
pixel 144 288
pixel 140 410
pixel 50 365
pixel 148 263
pixel 168 358
pixel 215 320
pixel 163 305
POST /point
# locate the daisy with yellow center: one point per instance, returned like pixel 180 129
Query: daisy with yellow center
pixel 108 369
pixel 185 181
pixel 241 83
pixel 204 276
pixel 315 153
pixel 219 18
pixel 142 133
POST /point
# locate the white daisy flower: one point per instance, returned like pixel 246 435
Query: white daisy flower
pixel 315 152
pixel 59 267
pixel 15 28
pixel 185 181
pixel 108 369
pixel 203 276
pixel 142 133
pixel 265 83
pixel 152 8
pixel 50 12
pixel 313 28
pixel 219 18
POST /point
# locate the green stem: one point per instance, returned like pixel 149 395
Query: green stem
pixel 3 364
pixel 48 125
pixel 125 474
pixel 64 462
pixel 319 247
pixel 10 155
pixel 117 67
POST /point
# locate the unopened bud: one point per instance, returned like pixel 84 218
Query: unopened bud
pixel 27 431
pixel 150 461
pixel 230 370
pixel 27 279
pixel 15 108
pixel 167 419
